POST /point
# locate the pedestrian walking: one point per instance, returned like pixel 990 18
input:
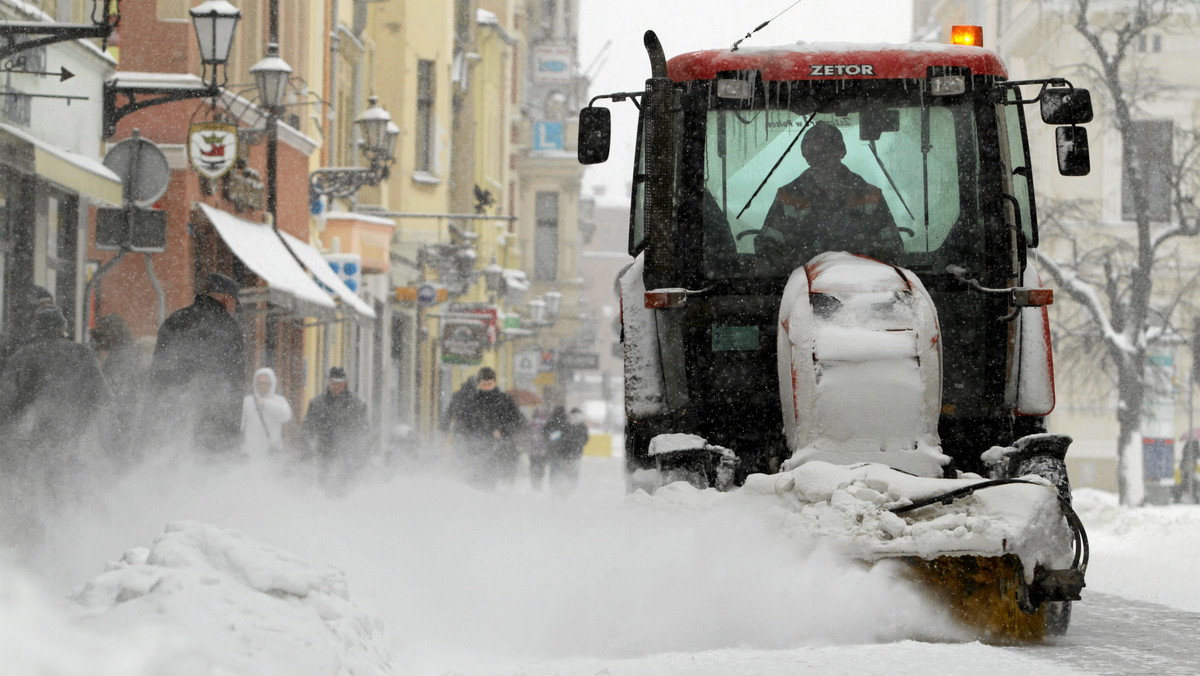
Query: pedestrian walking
pixel 198 369
pixel 334 432
pixel 566 434
pixel 22 332
pixel 538 452
pixel 51 391
pixel 489 427
pixel 264 413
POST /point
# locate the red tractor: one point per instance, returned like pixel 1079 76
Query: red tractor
pixel 831 263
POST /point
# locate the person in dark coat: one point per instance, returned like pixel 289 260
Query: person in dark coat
pixel 566 434
pixel 121 363
pixel 22 323
pixel 489 427
pixel 335 431
pixel 826 208
pixel 199 367
pixel 50 393
pixel 456 409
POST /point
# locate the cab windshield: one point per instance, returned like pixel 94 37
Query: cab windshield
pixel 920 153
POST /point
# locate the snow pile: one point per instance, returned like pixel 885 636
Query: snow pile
pixel 850 507
pixel 37 638
pixel 1146 553
pixel 219 602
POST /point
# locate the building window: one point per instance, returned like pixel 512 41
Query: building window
pixel 1152 141
pixel 1151 43
pixel 424 131
pixel 545 242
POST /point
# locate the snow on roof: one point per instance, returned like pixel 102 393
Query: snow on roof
pixel 89 164
pixel 257 245
pixel 315 262
pixel 483 16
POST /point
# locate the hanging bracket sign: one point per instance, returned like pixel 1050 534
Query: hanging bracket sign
pixel 212 148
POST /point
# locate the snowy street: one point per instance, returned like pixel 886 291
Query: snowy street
pixel 417 573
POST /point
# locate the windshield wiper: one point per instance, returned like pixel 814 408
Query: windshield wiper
pixel 889 179
pixel 777 163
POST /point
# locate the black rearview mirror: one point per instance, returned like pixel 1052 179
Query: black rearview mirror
pixel 1066 106
pixel 1074 158
pixel 872 122
pixel 595 135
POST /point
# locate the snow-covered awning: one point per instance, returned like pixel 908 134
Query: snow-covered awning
pixel 314 261
pixel 257 245
pixel 77 173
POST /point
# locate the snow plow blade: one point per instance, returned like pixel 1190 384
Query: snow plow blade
pixel 987 595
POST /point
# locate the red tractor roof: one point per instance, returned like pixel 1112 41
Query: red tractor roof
pixel 835 61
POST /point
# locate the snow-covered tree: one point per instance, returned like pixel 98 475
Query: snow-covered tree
pixel 1128 306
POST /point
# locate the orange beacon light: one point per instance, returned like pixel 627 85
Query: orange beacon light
pixel 967 35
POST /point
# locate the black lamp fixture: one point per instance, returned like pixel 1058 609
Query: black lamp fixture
pixel 271 77
pixel 379 135
pixel 553 304
pixel 493 277
pixel 215 22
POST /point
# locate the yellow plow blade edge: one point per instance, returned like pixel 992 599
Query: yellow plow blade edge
pixel 981 592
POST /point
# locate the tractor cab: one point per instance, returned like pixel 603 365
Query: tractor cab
pixel 736 192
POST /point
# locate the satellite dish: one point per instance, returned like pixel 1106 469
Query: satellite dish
pixel 142 167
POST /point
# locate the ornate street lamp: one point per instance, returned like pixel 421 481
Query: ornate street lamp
pixel 379 145
pixel 271 78
pixel 215 22
pixel 493 277
pixel 553 303
pixel 537 311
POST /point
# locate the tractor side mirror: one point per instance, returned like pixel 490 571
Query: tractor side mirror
pixel 595 135
pixel 1074 158
pixel 1066 106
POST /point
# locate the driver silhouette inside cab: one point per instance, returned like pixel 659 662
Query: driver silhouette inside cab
pixel 827 208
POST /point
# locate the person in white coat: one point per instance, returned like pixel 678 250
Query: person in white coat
pixel 263 415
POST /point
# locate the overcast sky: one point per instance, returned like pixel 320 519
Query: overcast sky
pixel 690 25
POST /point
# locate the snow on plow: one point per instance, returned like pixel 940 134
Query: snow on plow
pixel 994 552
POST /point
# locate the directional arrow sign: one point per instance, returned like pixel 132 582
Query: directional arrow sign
pixel 63 74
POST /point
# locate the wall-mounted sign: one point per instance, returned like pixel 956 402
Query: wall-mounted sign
pixel 212 148
pixel 552 63
pixel 463 341
pixel 547 136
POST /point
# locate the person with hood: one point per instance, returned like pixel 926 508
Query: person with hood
pixel 335 431
pixel 22 323
pixel 489 426
pixel 264 414
pixel 566 434
pixel 199 367
pixel 51 391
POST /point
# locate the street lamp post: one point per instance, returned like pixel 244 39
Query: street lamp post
pixel 379 145
pixel 214 22
pixel 271 77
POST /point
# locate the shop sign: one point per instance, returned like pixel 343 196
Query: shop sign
pixel 463 341
pixel 212 148
pixel 552 63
